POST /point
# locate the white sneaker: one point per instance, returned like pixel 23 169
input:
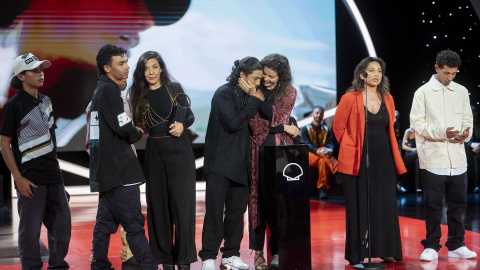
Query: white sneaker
pixel 462 253
pixel 234 263
pixel 274 262
pixel 429 254
pixel 208 265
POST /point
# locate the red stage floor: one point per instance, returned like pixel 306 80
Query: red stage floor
pixel 328 238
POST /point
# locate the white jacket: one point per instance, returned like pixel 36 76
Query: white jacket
pixel 436 107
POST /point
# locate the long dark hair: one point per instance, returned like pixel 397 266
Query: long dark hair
pixel 138 92
pixel 383 89
pixel 279 64
pixel 248 65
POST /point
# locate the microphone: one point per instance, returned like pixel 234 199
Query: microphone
pixel 365 75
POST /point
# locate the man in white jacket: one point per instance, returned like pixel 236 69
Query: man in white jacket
pixel 441 118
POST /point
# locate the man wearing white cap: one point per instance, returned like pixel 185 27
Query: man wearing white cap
pixel 29 149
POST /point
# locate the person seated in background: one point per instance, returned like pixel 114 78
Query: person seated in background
pixel 318 138
pixel 411 156
pixel 473 150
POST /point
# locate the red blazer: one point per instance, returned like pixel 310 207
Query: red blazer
pixel 349 128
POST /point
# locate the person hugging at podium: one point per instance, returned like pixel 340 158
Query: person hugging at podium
pixel 269 127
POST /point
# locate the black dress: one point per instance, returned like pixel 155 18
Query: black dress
pixel 385 231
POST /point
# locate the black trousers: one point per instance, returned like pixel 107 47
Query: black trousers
pixel 49 206
pixel 120 205
pixel 170 173
pixel 222 193
pixel 268 211
pixel 454 190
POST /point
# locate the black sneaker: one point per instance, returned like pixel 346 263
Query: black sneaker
pixel 131 264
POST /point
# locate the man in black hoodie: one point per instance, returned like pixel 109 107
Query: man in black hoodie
pixel 114 168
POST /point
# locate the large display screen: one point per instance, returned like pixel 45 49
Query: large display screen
pixel 198 39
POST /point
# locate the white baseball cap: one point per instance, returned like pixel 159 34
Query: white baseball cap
pixel 28 62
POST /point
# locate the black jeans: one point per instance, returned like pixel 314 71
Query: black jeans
pixel 49 206
pixel 454 190
pixel 121 205
pixel 220 192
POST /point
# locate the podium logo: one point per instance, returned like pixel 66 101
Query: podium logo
pixel 292 172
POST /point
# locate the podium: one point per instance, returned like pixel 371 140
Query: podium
pixel 288 165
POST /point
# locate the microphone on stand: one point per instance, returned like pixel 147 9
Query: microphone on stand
pixel 365 75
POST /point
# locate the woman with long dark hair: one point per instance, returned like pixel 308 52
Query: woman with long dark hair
pixel 269 127
pixel 161 107
pixel 384 163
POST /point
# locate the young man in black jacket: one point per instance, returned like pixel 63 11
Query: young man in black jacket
pixel 115 171
pixel 227 165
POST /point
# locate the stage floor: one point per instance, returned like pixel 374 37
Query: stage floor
pixel 327 227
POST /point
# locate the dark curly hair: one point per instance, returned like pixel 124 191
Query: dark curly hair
pixel 448 58
pixel 105 54
pixel 138 92
pixel 248 65
pixel 279 64
pixel 383 89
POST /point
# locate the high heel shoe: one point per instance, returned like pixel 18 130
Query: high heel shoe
pixel 259 262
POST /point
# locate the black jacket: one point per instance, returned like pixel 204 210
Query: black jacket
pixel 112 161
pixel 227 142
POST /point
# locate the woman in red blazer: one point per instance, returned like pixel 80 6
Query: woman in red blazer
pixel 385 163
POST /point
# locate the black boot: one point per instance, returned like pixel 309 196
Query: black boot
pixel 323 193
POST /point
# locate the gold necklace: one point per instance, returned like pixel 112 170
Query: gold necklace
pixel 151 121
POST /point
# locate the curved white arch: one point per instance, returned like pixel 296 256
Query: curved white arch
pixel 352 7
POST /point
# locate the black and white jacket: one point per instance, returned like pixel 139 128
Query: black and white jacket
pixel 112 161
